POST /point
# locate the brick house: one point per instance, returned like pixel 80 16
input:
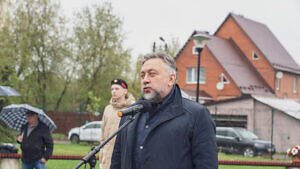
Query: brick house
pixel 244 57
pixel 247 79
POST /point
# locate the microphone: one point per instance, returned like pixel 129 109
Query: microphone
pixel 141 106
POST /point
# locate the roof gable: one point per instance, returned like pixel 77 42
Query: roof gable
pixel 267 43
pixel 187 41
pixel 243 75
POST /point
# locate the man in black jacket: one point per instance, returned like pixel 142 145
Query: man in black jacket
pixel 36 143
pixel 176 134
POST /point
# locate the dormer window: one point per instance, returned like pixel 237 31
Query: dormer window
pixel 255 56
pixel 224 79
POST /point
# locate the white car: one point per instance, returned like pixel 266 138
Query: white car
pixel 88 132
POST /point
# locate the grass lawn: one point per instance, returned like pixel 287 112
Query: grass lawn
pixel 65 164
pixel 84 149
pixel 239 157
pixel 68 149
pixel 247 167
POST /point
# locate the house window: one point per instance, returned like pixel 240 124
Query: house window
pixel 295 88
pixel 254 56
pixel 224 79
pixel 277 84
pixel 191 75
pixel 195 51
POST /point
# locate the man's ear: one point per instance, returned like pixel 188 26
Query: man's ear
pixel 172 79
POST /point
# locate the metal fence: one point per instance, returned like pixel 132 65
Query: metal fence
pixel 221 162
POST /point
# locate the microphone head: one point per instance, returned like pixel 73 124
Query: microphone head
pixel 143 106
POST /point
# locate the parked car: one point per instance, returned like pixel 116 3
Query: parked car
pixel 89 132
pixel 238 140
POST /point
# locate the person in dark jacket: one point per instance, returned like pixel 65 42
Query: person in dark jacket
pixel 36 143
pixel 176 133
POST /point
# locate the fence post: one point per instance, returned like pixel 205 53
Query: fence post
pixel 44 107
pixel 272 130
pixel 80 112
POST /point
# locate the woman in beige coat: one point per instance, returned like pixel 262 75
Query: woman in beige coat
pixel 110 120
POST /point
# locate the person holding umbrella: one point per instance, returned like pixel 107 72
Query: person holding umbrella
pixel 36 142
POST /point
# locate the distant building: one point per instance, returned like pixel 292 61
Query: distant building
pixel 260 114
pixel 247 79
pixel 242 57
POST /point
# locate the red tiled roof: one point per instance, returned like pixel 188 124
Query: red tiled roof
pixel 268 44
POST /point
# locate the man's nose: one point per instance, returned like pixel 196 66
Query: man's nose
pixel 146 79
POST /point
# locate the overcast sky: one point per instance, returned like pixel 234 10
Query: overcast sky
pixel 144 21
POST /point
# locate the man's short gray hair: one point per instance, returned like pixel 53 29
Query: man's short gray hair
pixel 168 60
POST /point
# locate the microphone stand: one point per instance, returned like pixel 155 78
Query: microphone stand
pixel 91 158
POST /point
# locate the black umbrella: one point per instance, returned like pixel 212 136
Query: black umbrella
pixel 15 116
pixel 8 91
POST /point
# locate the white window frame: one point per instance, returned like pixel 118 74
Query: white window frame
pixel 295 83
pixel 222 77
pixel 253 54
pixel 277 84
pixel 193 79
pixel 194 50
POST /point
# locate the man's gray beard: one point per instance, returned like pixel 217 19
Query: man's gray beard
pixel 153 97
